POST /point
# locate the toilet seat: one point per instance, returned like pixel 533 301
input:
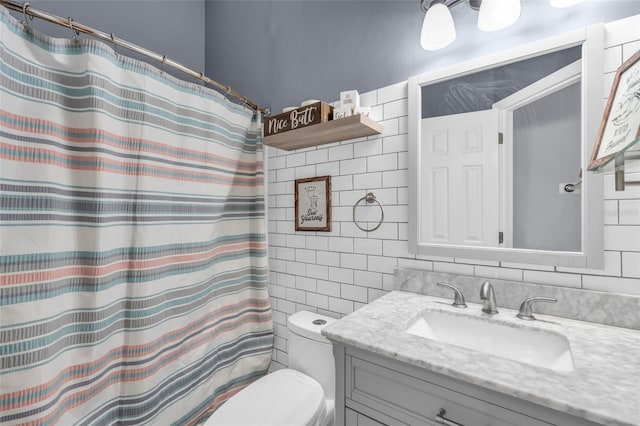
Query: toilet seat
pixel 283 398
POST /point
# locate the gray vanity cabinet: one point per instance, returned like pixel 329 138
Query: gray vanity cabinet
pixel 373 390
pixel 353 418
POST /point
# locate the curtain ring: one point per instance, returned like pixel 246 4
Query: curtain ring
pixel 164 61
pixel 370 198
pixel 26 6
pixel 115 45
pixel 76 33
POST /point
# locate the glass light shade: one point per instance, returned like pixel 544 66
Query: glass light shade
pixel 498 14
pixel 564 3
pixel 438 30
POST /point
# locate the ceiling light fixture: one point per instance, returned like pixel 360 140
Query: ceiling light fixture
pixel 438 28
pixel 498 14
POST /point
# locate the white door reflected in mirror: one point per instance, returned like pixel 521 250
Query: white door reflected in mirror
pixel 459 197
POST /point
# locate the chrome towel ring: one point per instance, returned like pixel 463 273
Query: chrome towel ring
pixel 370 198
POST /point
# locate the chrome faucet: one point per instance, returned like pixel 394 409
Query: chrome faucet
pixel 458 300
pixel 488 297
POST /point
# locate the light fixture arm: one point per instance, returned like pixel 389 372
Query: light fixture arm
pixel 473 4
pixel 424 5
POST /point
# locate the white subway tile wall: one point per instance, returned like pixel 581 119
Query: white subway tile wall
pixel 334 273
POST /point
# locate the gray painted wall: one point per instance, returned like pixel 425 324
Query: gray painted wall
pixel 172 28
pixel 279 53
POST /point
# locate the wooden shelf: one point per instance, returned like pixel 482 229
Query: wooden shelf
pixel 355 126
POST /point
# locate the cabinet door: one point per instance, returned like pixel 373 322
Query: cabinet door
pixel 418 402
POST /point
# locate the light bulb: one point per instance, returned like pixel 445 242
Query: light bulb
pixel 438 30
pixel 564 3
pixel 498 14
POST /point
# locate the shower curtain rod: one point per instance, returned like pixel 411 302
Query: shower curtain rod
pixel 26 9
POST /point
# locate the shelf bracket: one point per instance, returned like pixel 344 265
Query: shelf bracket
pixel 619 170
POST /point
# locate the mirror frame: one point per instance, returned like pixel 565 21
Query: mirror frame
pixel 592 196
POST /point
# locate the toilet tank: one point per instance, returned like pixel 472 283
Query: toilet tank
pixel 309 351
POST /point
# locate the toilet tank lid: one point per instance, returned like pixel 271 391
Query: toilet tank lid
pixel 309 325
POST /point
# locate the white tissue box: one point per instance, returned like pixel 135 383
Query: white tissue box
pixel 362 110
pixel 350 98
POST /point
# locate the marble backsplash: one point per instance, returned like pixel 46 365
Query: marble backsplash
pixel 583 305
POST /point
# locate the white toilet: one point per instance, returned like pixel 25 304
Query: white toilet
pixel 301 395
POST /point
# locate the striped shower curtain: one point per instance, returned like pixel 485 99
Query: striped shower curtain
pixel 132 236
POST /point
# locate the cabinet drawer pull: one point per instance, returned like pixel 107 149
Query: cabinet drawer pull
pixel 441 419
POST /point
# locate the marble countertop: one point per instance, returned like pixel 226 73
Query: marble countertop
pixel 603 388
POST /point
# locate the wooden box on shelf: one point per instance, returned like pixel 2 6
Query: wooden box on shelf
pixel 319 112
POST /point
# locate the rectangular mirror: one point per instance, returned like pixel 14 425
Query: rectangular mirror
pixel 498 153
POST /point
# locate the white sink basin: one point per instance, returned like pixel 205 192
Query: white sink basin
pixel 526 344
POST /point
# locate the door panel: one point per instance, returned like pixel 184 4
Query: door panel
pixel 460 197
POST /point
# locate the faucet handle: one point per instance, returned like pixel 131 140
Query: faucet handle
pixel 458 300
pixel 526 311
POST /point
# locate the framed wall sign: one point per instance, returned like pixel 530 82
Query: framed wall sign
pixel 620 127
pixel 313 204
